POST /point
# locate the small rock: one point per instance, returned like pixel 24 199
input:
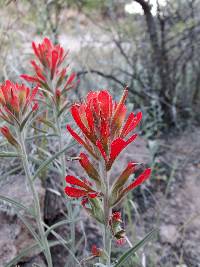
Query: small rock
pixel 168 234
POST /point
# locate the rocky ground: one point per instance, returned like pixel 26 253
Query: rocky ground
pixel 170 201
pixel 175 207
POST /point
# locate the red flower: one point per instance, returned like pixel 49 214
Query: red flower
pixel 139 180
pixel 50 56
pixel 119 190
pixel 97 252
pixel 90 169
pixel 49 67
pixel 8 135
pixel 17 102
pixel 115 225
pixel 121 241
pixel 104 134
pixel 84 189
pixel 101 121
pixel 116 216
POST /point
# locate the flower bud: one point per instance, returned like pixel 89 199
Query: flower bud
pixel 115 224
pixel 90 169
pixel 6 132
pixel 97 252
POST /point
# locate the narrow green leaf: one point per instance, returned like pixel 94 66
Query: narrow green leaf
pixel 132 250
pixel 4 143
pixel 5 154
pixel 48 123
pixel 29 249
pixel 16 204
pixel 22 254
pixel 30 138
pixel 62 241
pixel 12 171
pixel 31 230
pixel 49 160
pixel 52 227
pixel 39 162
pixel 63 109
pixel 37 114
pixel 23 124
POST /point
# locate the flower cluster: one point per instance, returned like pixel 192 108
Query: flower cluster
pixel 101 121
pixel 17 104
pixel 105 132
pixel 49 72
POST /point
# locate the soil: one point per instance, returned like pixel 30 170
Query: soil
pixel 174 204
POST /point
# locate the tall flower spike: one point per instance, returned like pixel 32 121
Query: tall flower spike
pixel 104 133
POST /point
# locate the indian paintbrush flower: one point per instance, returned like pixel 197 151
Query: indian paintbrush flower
pixel 49 71
pixel 54 80
pixel 17 105
pixel 17 102
pixel 101 121
pixel 104 134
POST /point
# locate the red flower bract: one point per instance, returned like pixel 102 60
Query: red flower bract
pixel 50 56
pixel 84 189
pixel 96 252
pixel 116 216
pixel 8 135
pixel 16 101
pixel 49 67
pixel 102 123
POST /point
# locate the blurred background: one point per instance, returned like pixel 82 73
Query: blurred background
pixel 153 47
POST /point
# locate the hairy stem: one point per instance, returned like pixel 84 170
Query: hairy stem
pixel 63 168
pixel 25 162
pixel 107 213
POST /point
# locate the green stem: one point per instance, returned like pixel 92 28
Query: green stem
pixel 63 168
pixel 61 145
pixel 107 244
pixel 35 198
pixel 107 213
